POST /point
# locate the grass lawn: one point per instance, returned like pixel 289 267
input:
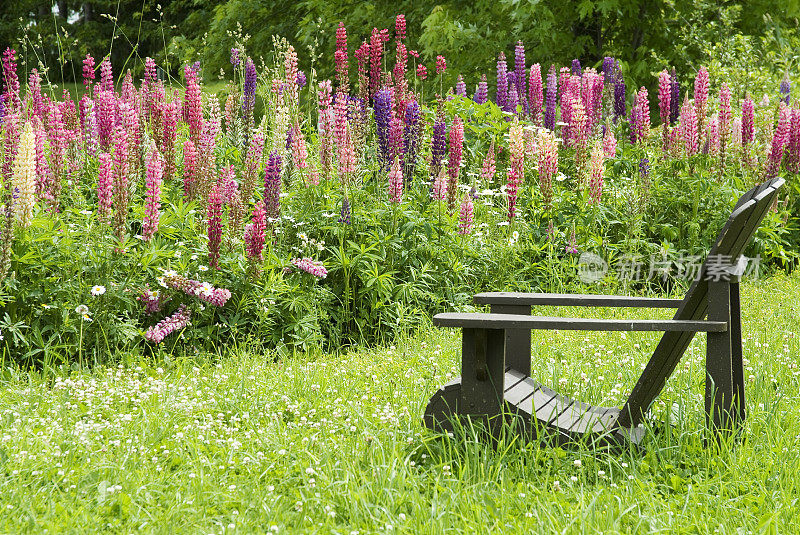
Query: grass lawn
pixel 335 444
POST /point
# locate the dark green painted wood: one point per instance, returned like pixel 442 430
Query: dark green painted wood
pixel 736 353
pixel 528 299
pixel 482 371
pixel 518 341
pixel 719 369
pixel 511 321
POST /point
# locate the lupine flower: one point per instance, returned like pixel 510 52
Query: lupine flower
pixel 482 93
pixel 11 80
pixel 642 115
pixel 576 67
pixel 748 121
pixel 422 72
pixel 550 107
pixel 502 82
pixel 341 59
pixel 383 117
pixel 272 186
pixel 396 182
pixel 644 181
pixel 572 245
pixel 395 138
pixel 461 87
pixel 24 178
pixel 736 131
pixel 535 94
pixel 713 135
pixel 610 144
pixel 344 213
pixel 513 98
pixel 519 72
pixel 235 60
pixel 254 233
pixel 191 168
pixel 609 70
pixel 202 290
pixel 376 42
pixel 488 168
pixel 106 76
pixel 779 142
pixel 249 89
pixel 105 113
pixel 724 119
pixel 43 174
pixel 155 170
pixel 153 300
pixel 674 98
pixel 454 161
pixel 176 322
pixel 400 26
pixel 441 64
pixel 785 89
pixel 439 190
pixel 619 97
pixel 664 94
pixel 438 146
pixel 793 148
pixel 121 185
pixel 290 69
pixel 214 216
pixel 311 266
pixel 326 127
pixel 411 133
pixel 689 128
pixel 548 165
pixel 88 71
pixel 701 84
pixel 193 105
pixel 596 170
pixel 301 80
pixel 466 215
pixel 299 151
pixel 512 186
pixel 105 185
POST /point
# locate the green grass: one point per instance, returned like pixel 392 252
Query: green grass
pixel 334 444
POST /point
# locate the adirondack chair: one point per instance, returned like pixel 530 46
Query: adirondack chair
pixel 496 349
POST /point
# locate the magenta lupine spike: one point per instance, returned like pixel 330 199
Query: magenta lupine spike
pixel 153 300
pixel 43 175
pixel 326 127
pixel 793 149
pixel 150 71
pixel 701 85
pixel 748 121
pixel 713 136
pixel 88 125
pixel 128 92
pixel 105 114
pixel 395 138
pixel 193 103
pixel 376 58
pixel 454 162
pixel 11 81
pixel 400 82
pixel 535 94
pixel 58 137
pixel 290 80
pixel 35 92
pixel 512 185
pixel 396 182
pixel 501 96
pixel 152 207
pixel 725 114
pixel 362 55
pixel 400 26
pixel 779 142
pixel 176 322
pixel 11 136
pixel 441 64
pixel 689 128
pixel 610 143
pixel 272 187
pixel 596 170
pixel 466 215
pixel 106 76
pixel 191 168
pixel 105 186
pixel 171 112
pixel 252 163
pixel 346 155
pixel 488 168
pixel 340 115
pixel 340 57
pixel 548 166
pixel 643 115
pixel 202 290
pixel 254 233
pixel 214 222
pixel 664 93
pixel 310 266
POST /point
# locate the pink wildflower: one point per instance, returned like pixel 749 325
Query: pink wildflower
pixel 155 171
pixel 176 322
pixel 396 182
pixel 311 266
pixel 254 233
pixel 214 215
pixel 105 185
pixel 466 215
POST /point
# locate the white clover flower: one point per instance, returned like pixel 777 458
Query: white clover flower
pixel 98 289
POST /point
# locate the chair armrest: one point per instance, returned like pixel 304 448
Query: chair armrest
pixel 580 300
pixel 476 320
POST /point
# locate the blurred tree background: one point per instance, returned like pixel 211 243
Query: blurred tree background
pixel 738 38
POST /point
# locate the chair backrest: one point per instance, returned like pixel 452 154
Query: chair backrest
pixel 734 236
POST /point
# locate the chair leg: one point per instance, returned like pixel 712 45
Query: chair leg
pixel 736 348
pixel 518 341
pixel 482 373
pixel 720 408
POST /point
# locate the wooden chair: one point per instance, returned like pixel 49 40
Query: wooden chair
pixel 496 348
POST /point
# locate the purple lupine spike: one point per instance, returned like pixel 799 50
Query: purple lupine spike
pixel 675 97
pixel 785 89
pixel 644 167
pixel 345 213
pixel 301 80
pixel 272 187
pixel 249 97
pixel 550 104
pixel 633 124
pixel 519 72
pixel 502 82
pixel 619 97
pixel 482 94
pixel 461 87
pixel 513 99
pixel 438 144
pixel 576 67
pixel 608 70
pixel 410 140
pixel 383 116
